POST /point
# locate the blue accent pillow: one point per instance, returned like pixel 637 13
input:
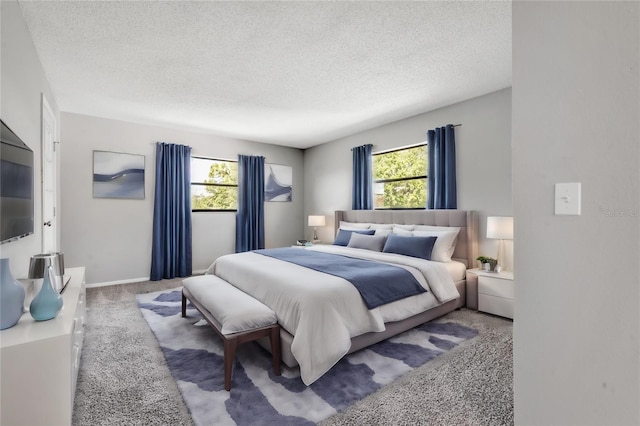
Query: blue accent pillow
pixel 410 246
pixel 343 237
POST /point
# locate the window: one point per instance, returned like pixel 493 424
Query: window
pixel 400 178
pixel 214 184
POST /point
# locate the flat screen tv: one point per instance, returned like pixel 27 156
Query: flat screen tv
pixel 16 186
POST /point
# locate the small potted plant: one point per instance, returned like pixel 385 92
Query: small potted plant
pixel 488 263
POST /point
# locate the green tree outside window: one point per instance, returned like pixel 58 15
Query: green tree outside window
pixel 214 184
pixel 400 178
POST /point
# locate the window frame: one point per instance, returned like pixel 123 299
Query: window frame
pixel 205 184
pixel 425 176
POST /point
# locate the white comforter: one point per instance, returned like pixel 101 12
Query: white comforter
pixel 323 312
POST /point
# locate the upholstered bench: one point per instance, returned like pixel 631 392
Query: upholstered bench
pixel 237 317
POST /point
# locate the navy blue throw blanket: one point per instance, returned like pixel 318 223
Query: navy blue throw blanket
pixel 378 283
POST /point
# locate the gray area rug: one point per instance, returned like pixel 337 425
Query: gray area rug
pixel 124 378
pixel 194 354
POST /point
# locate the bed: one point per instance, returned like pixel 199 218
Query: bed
pixel 323 317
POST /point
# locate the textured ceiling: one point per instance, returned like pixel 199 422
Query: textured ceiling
pixel 289 73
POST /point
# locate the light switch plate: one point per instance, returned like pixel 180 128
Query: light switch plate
pixel 568 198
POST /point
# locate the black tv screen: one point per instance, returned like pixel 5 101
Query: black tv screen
pixel 16 186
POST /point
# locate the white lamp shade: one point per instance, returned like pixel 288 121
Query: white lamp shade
pixel 500 228
pixel 316 221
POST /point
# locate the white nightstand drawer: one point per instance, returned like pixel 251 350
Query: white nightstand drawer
pixel 495 305
pixel 495 287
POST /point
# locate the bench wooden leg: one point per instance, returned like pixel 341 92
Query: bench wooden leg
pixel 230 346
pixel 231 342
pixel 275 349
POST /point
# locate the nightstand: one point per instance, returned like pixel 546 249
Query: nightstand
pixel 495 292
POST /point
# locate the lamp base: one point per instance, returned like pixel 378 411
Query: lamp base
pixel 501 257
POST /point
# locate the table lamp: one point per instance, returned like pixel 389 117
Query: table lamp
pixel 316 221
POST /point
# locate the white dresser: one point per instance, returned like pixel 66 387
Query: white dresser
pixel 40 362
pixel 495 292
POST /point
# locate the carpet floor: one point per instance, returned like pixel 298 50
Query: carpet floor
pixel 124 378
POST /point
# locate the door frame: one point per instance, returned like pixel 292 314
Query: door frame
pixel 50 240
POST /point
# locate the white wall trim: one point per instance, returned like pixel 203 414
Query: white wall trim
pixel 132 280
pixel 118 282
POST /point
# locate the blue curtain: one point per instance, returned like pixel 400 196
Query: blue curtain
pixel 250 215
pixel 441 144
pixel 362 191
pixel 171 250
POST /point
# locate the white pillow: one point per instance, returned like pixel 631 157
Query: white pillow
pixel 405 227
pixel 435 228
pixel 445 244
pixel 403 232
pixel 384 226
pixel 357 225
pixel 352 226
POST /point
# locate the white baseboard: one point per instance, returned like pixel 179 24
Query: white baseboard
pixel 118 282
pixel 132 280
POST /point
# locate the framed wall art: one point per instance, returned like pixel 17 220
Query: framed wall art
pixel 278 182
pixel 118 175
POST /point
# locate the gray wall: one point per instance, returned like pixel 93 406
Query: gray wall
pixel 483 151
pixel 576 117
pixel 22 84
pixel 112 238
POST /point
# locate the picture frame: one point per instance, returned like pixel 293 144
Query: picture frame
pixel 278 183
pixel 118 175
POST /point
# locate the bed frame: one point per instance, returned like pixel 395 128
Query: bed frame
pixel 466 252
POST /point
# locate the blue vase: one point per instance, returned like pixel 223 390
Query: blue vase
pixel 11 297
pixel 48 302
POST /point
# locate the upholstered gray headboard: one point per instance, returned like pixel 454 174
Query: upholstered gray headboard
pixel 467 245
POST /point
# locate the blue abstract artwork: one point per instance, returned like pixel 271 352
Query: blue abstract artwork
pixel 278 182
pixel 118 175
